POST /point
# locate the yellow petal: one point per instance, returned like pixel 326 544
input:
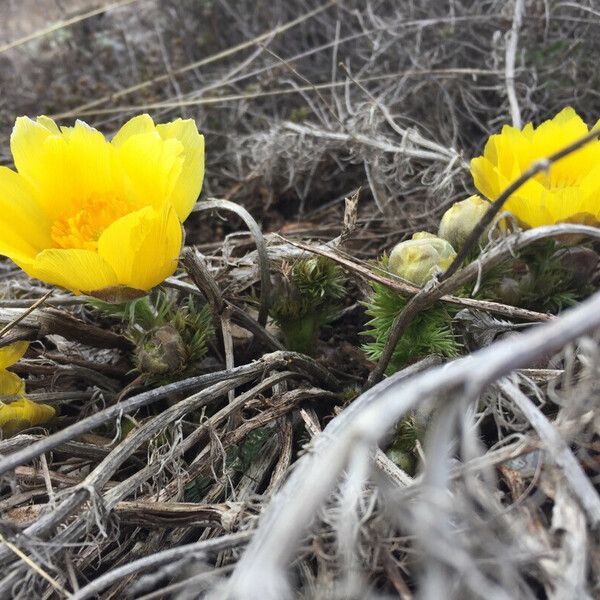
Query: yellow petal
pixel 488 180
pixel 185 188
pixel 530 212
pixel 89 155
pixel 568 205
pixel 529 204
pixel 143 247
pixel 188 186
pixel 568 116
pixel 503 150
pixel 590 191
pixel 63 168
pixel 136 125
pixel 23 413
pixel 149 168
pixel 14 245
pixel 27 145
pixel 11 354
pixel 25 227
pixel 527 131
pixel 48 123
pixel 10 384
pixel 75 270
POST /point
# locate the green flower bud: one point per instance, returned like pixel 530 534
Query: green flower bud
pixel 404 460
pixel 418 260
pixel 514 288
pixel 508 291
pixel 579 265
pixel 163 352
pixel 461 218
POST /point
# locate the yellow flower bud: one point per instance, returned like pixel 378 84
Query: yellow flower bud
pixel 417 260
pixel 461 218
pixel 423 235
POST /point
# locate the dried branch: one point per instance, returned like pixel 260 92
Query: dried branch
pixel 512 40
pixel 268 361
pixel 262 567
pixel 263 261
pixel 54 321
pixel 200 548
pixel 559 451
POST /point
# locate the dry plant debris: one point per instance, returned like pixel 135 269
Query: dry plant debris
pixel 360 380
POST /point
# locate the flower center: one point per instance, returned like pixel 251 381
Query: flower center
pixel 82 228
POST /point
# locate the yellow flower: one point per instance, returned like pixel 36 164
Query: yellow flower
pixel 21 413
pixel 95 216
pixel 419 259
pixel 568 192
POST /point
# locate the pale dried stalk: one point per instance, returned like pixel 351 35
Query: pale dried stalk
pixel 161 558
pixel 559 450
pixel 261 249
pixel 261 573
pixel 511 54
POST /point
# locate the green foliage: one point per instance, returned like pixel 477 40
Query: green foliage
pixel 239 458
pixel 553 288
pixel 194 324
pixel 144 313
pixel 306 299
pixel 196 489
pixel 429 333
pixel 539 278
pixel 168 336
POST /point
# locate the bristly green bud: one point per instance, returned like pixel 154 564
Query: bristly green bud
pixel 545 276
pixel 169 336
pixel 419 259
pixel 402 450
pixel 163 352
pixel 461 218
pixel 306 298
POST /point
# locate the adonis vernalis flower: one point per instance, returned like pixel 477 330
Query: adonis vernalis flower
pixel 99 217
pixel 21 413
pixel 568 192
